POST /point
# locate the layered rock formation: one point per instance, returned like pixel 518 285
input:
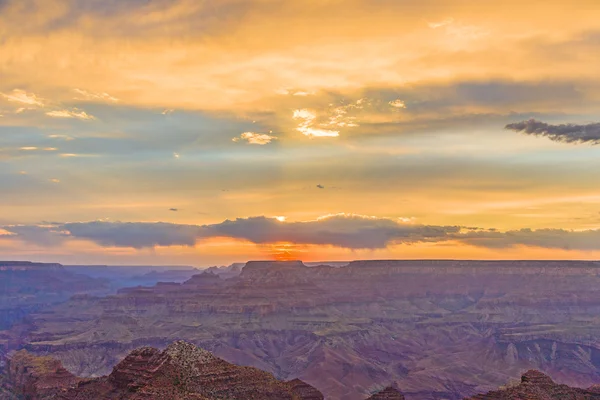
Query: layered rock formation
pixel 27 287
pixel 537 386
pixel 35 377
pixel 185 372
pixel 181 372
pixel 389 393
pixel 439 329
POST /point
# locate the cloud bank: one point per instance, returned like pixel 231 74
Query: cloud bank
pixel 347 231
pixel 566 133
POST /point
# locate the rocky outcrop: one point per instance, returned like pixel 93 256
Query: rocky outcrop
pixel 537 386
pixel 37 377
pixel 389 393
pixel 303 390
pixel 181 372
pixel 184 371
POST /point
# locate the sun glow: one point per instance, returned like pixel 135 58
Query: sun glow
pixel 286 251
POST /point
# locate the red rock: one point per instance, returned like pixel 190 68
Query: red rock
pixel 180 372
pixel 537 386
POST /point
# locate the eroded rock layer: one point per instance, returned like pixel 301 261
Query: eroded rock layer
pixel 439 329
pixel 181 372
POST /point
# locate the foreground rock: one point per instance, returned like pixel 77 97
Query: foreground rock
pixel 537 386
pixel 181 372
pixel 186 372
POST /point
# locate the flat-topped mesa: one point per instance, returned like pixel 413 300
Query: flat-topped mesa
pixel 389 393
pixel 252 266
pixel 519 267
pixel 29 266
pixel 273 272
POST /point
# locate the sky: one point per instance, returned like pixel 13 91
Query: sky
pixel 207 132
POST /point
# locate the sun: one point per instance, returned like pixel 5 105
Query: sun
pixel 285 251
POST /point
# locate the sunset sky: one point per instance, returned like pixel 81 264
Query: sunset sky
pixel 207 132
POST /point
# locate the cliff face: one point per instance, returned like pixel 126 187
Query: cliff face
pixel 439 329
pixel 36 377
pixel 26 287
pixel 181 372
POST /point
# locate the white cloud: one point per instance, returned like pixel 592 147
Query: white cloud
pixel 63 137
pixel 28 148
pixel 255 138
pixel 302 93
pixel 74 113
pixel 292 92
pixel 307 119
pixel 72 155
pixel 440 24
pixel 397 103
pixel 94 96
pixel 333 118
pixel 21 96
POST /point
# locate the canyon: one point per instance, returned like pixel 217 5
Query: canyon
pixel 26 287
pixel 437 329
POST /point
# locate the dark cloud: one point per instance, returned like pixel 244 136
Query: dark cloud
pixel 319 186
pixel 546 238
pixel 567 133
pixel 40 235
pixel 173 209
pixel 340 230
pixel 134 234
pixel 343 230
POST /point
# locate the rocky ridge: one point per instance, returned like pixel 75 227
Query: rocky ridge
pixel 181 372
pixel 537 386
pixel 185 372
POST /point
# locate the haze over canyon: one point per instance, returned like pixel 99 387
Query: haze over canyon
pixel 436 329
